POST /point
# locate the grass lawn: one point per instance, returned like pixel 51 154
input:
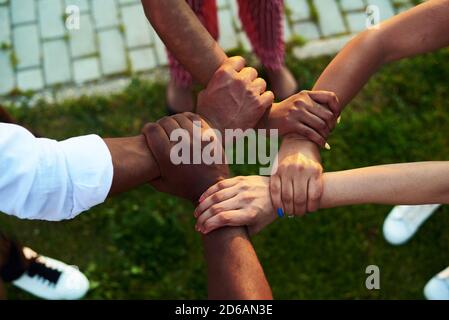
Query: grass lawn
pixel 142 244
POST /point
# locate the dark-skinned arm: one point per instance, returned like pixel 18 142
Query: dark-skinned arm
pixel 234 271
pixel 185 36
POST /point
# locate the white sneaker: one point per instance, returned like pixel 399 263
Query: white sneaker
pixel 53 280
pixel 438 287
pixel 403 222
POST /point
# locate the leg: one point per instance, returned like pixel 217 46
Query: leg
pixel 12 262
pixel 179 90
pixel 234 271
pixel 262 21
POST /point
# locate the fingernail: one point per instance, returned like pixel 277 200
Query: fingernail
pixel 339 119
pixel 280 212
pixel 327 146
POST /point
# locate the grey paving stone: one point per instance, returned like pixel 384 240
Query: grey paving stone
pixel 307 30
pixel 115 32
pixel 142 59
pixel 161 53
pixel 6 73
pixel 235 14
pixel 82 41
pixel 244 41
pixel 86 69
pixel 348 5
pixel 105 13
pixel 299 9
pixel 83 5
pixel 228 39
pixel 56 62
pixel 5 27
pixel 23 11
pixel 30 79
pixel 26 45
pixel 356 21
pixel 223 3
pixel 112 52
pixel 404 8
pixel 51 18
pixel 324 47
pixel 137 27
pixel 385 8
pixel 128 1
pixel 330 19
pixel 287 30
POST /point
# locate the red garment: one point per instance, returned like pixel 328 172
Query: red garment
pixel 262 22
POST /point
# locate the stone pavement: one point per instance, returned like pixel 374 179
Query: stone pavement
pixel 38 52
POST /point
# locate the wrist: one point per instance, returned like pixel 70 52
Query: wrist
pixel 301 144
pixel 133 161
pixel 265 121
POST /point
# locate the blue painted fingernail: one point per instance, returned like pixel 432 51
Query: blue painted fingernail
pixel 280 213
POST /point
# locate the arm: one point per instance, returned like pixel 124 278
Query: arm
pixel 421 29
pixel 50 180
pixel 133 163
pixel 405 183
pixel 245 200
pixel 233 270
pixel 175 22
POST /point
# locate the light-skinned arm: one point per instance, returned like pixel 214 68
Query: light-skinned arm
pixel 245 200
pixel 421 29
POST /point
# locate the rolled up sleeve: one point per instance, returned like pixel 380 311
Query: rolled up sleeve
pixel 50 180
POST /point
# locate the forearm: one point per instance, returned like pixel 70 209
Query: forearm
pixel 133 163
pixel 419 30
pixel 351 69
pixel 296 143
pixel 407 183
pixel 233 268
pixel 185 37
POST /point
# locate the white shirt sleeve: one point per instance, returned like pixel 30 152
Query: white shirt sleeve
pixel 50 180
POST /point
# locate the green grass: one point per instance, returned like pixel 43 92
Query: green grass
pixel 142 244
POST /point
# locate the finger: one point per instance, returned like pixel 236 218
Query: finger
pixel 248 74
pixel 224 219
pixel 287 196
pixel 276 191
pixel 310 134
pixel 184 121
pixel 217 197
pixel 300 196
pixel 236 63
pixel 157 140
pixel 169 125
pixel 219 186
pixel 259 85
pixel 315 190
pixel 323 113
pixel 230 204
pixel 326 97
pixel 266 99
pixel 316 123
